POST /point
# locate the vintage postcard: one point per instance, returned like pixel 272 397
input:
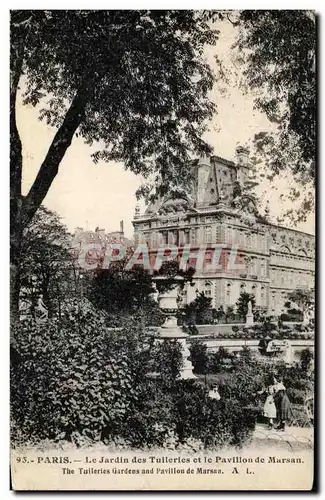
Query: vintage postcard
pixel 162 249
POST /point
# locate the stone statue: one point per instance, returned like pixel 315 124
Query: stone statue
pixel 249 315
pixel 42 310
pixel 155 293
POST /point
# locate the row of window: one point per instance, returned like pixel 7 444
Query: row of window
pixel 287 278
pixel 297 262
pixel 233 291
pixel 249 240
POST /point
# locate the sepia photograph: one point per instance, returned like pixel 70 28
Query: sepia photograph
pixel 162 249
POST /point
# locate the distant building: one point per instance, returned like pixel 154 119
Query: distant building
pixel 220 209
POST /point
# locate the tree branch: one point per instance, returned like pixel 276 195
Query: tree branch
pixel 55 154
pixel 234 23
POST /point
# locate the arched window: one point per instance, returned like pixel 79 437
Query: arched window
pixel 302 251
pixel 285 249
pixel 228 293
pixel 208 256
pixel 208 234
pixel 207 289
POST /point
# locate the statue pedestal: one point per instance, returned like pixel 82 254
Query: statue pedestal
pixel 249 320
pixel 288 355
pixel 170 330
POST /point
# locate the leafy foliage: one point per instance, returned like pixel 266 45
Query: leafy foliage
pixel 306 357
pixel 74 375
pixel 199 311
pixel 122 292
pixel 133 84
pixel 242 303
pixel 76 380
pixel 302 298
pixel 153 59
pixel 199 356
pixel 279 50
pixel 281 57
pixel 118 290
pixel 47 265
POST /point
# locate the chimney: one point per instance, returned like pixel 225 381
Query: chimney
pixel 242 156
pixel 121 227
pixel 203 171
pixel 204 160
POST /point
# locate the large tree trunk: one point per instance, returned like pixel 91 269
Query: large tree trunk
pixel 15 243
pixel 15 182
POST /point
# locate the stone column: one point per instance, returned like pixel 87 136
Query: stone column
pixel 170 330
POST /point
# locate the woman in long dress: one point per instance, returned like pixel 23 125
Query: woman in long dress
pixel 283 406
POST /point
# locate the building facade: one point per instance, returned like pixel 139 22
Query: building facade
pixel 221 210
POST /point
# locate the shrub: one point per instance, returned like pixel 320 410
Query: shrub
pixel 192 329
pixel 291 317
pixel 76 380
pixel 216 360
pixel 216 423
pixel 251 333
pixel 199 356
pixel 74 375
pixel 148 423
pixel 306 357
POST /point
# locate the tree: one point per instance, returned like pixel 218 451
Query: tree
pixel 230 314
pixel 199 310
pixel 219 361
pixel 279 50
pixel 306 358
pixel 135 81
pixel 47 265
pixel 219 314
pixel 304 300
pixel 199 356
pixel 118 291
pixel 267 326
pixel 242 303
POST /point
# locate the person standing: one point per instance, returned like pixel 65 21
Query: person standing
pixel 269 410
pixel 283 406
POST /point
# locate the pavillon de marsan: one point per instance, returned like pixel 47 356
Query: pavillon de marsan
pixel 219 210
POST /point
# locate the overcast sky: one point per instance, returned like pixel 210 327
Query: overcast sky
pixel 89 195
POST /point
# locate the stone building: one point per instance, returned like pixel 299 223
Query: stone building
pixel 221 210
